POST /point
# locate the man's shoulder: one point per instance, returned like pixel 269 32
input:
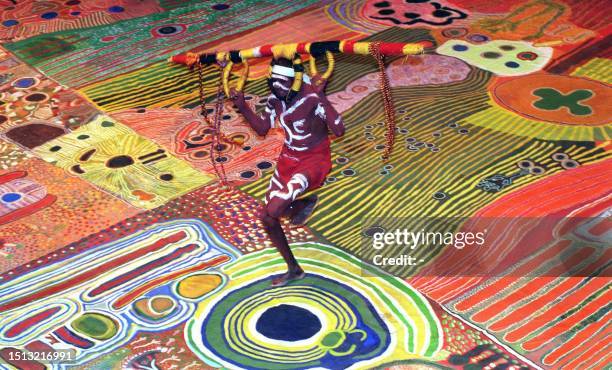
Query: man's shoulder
pixel 311 97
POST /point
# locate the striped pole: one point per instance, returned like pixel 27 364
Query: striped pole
pixel 313 48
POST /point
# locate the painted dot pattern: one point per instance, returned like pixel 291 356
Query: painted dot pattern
pixel 503 57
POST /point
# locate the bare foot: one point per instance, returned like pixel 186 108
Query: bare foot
pixel 287 277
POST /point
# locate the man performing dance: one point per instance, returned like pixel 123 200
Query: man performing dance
pixel 305 160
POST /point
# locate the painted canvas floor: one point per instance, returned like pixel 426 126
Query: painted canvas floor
pixel 119 247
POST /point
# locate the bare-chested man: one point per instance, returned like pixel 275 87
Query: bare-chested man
pixel 305 159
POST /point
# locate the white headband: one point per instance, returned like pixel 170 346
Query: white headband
pixel 283 71
pixel 305 78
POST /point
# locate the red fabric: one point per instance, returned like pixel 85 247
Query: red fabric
pixel 314 164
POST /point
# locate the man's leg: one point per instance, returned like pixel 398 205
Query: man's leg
pixel 300 209
pixel 272 224
pixel 278 201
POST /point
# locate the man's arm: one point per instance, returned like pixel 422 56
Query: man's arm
pixel 262 123
pixel 326 111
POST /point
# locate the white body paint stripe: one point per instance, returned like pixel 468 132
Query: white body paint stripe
pixel 278 85
pixel 279 77
pixel 320 111
pixel 297 185
pixel 297 125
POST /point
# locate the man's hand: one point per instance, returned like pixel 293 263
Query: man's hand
pixel 318 84
pixel 237 96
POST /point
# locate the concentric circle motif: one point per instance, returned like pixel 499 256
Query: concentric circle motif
pixel 312 324
pixel 333 318
pixel 168 30
pixel 454 32
pixel 25 83
pixel 527 55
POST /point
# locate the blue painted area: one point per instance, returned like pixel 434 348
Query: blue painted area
pixel 220 6
pixel 10 197
pixel 10 22
pixel 288 322
pixel 512 65
pixel 116 9
pixel 24 83
pixel 49 15
pixel 460 47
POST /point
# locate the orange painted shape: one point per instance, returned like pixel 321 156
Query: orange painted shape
pixel 517 95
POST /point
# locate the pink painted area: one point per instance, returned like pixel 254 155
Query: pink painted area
pixel 412 71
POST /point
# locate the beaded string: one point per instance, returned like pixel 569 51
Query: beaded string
pixel 203 110
pixel 385 89
pixel 216 142
pixel 215 125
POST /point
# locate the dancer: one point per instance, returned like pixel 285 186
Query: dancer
pixel 305 160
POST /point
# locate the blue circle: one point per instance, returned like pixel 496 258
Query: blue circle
pixel 220 6
pixel 10 22
pixel 116 9
pixel 512 65
pixel 460 47
pixel 49 15
pixel 75 13
pixel 10 197
pixel 24 83
pixel 288 322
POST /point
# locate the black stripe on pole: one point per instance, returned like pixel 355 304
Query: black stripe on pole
pixel 298 67
pixel 208 58
pixel 234 56
pixel 319 48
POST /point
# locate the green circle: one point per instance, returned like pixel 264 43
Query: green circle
pixel 95 325
pixel 333 339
